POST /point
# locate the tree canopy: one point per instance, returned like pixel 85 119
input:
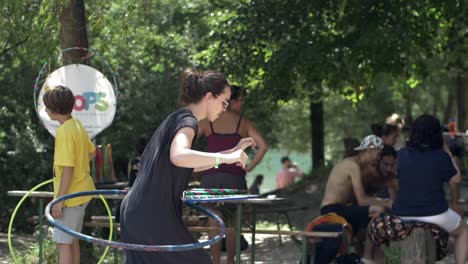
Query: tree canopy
pixel 358 61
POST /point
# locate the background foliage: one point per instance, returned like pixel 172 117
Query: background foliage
pixel 363 59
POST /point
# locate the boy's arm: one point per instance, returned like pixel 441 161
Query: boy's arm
pixel 91 150
pixel 63 189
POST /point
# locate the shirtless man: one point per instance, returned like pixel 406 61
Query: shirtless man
pixel 344 192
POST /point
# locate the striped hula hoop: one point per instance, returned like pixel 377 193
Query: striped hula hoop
pixel 200 191
pixel 199 195
pixel 216 198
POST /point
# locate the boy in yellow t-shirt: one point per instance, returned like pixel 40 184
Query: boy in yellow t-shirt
pixel 72 152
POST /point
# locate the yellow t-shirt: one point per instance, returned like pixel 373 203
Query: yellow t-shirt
pixel 72 149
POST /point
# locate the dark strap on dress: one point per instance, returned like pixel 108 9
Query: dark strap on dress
pixel 237 128
pixel 238 125
pixel 212 129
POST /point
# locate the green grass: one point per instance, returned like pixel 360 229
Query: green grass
pixel 49 253
pixel 392 255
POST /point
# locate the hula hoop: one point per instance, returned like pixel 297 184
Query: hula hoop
pixel 10 245
pixel 122 245
pixel 200 195
pixel 216 198
pixel 201 191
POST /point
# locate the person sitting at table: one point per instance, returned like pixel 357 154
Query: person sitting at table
pixel 423 167
pixel 344 192
pixel 255 187
pixel 288 173
pixel 345 186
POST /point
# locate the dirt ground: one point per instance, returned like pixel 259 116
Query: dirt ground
pixel 268 250
pixel 20 243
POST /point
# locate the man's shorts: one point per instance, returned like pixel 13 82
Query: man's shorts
pixel 357 216
pixel 72 217
pixel 449 220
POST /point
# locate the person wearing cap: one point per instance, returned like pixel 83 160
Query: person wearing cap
pixel 345 193
pixel 288 173
pixel 344 186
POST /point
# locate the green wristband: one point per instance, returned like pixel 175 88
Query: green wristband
pixel 217 162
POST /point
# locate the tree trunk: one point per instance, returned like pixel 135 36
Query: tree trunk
pixel 448 113
pixel 462 104
pixel 418 248
pixel 74 31
pixel 317 126
pixel 408 111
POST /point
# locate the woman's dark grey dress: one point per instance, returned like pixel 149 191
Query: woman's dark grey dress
pixel 151 213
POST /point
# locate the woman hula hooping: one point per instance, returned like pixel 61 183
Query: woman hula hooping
pixel 151 213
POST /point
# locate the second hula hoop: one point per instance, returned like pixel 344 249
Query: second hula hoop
pixel 12 219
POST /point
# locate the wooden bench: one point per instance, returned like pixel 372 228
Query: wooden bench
pixel 205 229
pixel 307 238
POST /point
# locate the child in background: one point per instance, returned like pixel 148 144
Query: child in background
pixel 134 164
pixel 255 187
pixel 72 153
pixel 133 168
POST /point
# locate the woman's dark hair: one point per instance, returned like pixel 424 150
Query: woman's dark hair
pixel 59 100
pixel 258 179
pixel 385 130
pixel 425 134
pixel 194 85
pixel 237 92
pixel 388 151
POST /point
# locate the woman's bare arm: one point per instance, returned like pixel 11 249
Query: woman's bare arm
pixel 261 144
pixel 182 155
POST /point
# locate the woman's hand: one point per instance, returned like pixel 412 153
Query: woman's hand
pixel 238 156
pixel 248 168
pixel 245 143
